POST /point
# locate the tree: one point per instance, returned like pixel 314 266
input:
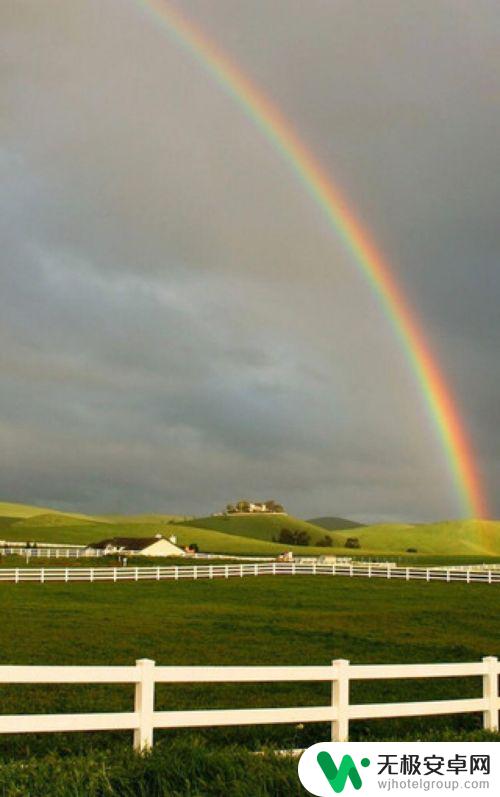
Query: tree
pixel 230 508
pixel 294 537
pixel 352 542
pixel 287 537
pixel 302 538
pixel 325 542
pixel 243 506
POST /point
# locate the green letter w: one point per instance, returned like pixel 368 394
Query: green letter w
pixel 337 778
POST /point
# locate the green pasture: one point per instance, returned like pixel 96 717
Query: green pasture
pixel 467 540
pixel 267 620
pixel 263 621
pixel 458 538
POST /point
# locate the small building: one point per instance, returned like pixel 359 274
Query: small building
pixel 138 546
pixel 253 507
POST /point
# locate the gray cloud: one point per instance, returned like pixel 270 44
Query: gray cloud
pixel 180 325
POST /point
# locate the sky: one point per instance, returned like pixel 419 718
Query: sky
pixel 180 325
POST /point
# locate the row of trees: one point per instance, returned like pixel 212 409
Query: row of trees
pixel 293 537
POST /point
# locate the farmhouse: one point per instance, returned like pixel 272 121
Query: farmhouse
pixel 138 546
pixel 254 507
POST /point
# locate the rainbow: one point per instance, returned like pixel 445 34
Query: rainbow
pixel 269 119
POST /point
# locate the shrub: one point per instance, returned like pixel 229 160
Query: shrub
pixel 294 537
pixel 352 542
pixel 325 542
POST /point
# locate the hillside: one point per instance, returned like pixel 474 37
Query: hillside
pixel 260 527
pixel 460 537
pixel 335 523
pixel 149 518
pixel 209 541
pixel 254 534
pixel 26 511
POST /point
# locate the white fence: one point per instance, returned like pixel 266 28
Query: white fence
pixel 47 574
pixel 69 552
pixel 51 553
pixel 145 674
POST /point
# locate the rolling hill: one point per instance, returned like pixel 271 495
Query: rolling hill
pixel 253 534
pixel 459 537
pixel 335 523
pixel 259 527
pixel 26 511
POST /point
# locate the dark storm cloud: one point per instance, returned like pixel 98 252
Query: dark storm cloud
pixel 179 324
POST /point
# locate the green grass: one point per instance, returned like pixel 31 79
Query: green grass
pixel 253 534
pixel 260 527
pixel 207 540
pixel 146 519
pixel 263 621
pixel 188 768
pixel 448 538
pixel 183 769
pixel 335 523
pixel 454 537
pixel 22 511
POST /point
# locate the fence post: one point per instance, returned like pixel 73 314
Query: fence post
pixel 144 704
pixel 340 700
pixel 490 693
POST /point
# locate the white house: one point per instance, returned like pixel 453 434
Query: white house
pixel 138 546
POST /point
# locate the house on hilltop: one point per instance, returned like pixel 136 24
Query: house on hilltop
pixel 138 546
pixel 254 507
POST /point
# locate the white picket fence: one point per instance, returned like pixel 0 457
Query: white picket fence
pixel 144 719
pixel 177 573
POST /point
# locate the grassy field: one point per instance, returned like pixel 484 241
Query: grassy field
pixel 458 538
pixel 262 621
pixel 259 527
pixel 335 523
pixel 472 540
pixel 249 621
pixel 207 540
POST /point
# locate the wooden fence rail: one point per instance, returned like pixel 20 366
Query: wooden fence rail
pixel 176 573
pixel 144 719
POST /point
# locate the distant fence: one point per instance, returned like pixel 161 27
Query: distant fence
pixel 144 719
pixel 50 553
pixel 60 552
pixel 177 573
